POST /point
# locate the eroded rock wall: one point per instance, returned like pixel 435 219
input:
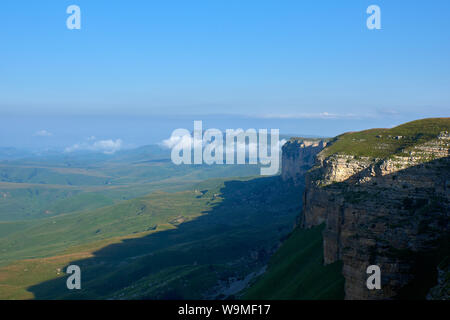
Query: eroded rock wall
pixel 298 156
pixel 378 211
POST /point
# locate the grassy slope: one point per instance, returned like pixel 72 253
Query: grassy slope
pixel 241 216
pixel 381 143
pixel 296 271
pixel 34 251
pixel 33 191
pixel 46 237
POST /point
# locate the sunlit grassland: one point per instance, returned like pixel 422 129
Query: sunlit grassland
pixel 381 143
pixel 181 243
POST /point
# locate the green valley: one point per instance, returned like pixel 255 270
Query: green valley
pixel 144 230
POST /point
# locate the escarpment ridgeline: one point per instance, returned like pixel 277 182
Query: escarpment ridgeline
pixel 298 156
pixel 384 197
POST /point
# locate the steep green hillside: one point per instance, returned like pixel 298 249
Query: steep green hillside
pixel 296 271
pixel 380 143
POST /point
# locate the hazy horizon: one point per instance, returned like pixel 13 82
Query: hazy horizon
pixel 39 133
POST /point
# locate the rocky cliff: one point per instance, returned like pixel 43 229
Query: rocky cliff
pixel 298 156
pixel 384 197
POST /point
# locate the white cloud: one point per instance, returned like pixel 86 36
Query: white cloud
pixel 320 115
pixel 43 133
pixel 186 141
pixel 183 139
pixel 106 146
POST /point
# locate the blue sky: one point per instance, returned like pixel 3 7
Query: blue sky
pixel 264 59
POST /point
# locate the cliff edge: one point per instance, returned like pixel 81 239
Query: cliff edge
pixel 384 197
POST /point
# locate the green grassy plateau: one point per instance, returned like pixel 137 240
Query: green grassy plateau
pixel 382 143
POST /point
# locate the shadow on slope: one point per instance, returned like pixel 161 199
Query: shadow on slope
pixel 296 271
pixel 193 261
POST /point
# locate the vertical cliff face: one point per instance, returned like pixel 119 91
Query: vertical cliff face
pixel 385 200
pixel 298 156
